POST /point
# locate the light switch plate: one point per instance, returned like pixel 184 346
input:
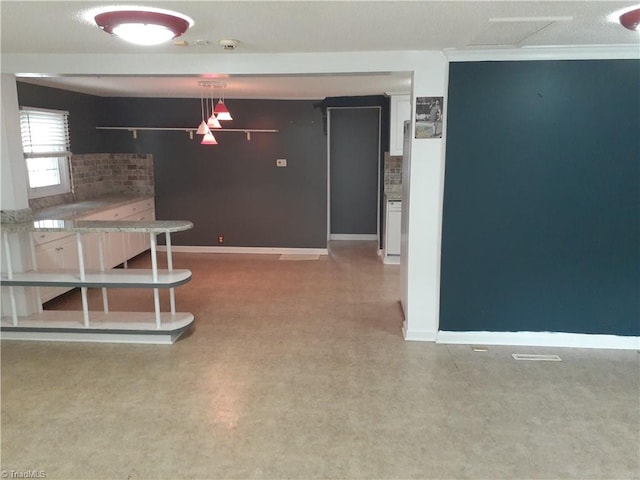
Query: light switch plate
pixel 281 162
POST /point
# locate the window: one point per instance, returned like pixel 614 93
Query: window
pixel 45 143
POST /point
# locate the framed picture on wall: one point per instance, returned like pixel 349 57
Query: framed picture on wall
pixel 429 112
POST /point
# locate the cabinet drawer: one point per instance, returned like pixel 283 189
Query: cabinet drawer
pixel 142 205
pixel 123 211
pixel 116 213
pixel 45 237
pixel 134 209
pixel 111 214
pixel 142 216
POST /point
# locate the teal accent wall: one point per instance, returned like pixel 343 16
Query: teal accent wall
pixel 541 219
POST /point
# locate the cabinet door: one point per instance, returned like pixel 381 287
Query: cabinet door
pixel 91 250
pixel 115 249
pixel 400 112
pixel 61 254
pixel 137 243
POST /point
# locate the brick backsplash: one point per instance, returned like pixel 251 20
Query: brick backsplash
pixel 392 170
pixel 100 174
pixel 97 174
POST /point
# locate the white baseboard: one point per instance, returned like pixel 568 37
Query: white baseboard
pixel 418 335
pixel 391 259
pixel 246 250
pixel 540 339
pixel 353 236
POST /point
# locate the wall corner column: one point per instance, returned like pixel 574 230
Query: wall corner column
pixel 423 186
pixel 14 199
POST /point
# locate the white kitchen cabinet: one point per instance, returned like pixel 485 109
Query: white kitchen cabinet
pixel 136 243
pixel 91 250
pixel 55 252
pixel 400 112
pixel 59 251
pixel 120 247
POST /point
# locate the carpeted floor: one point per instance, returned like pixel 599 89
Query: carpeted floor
pixel 298 370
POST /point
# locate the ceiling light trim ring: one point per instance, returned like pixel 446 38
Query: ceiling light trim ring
pixel 173 22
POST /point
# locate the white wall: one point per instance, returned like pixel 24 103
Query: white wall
pixel 14 194
pixel 14 171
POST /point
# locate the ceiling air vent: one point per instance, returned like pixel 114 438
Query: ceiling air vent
pixel 536 357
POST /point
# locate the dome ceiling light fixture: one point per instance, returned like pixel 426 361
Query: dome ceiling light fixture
pixel 631 19
pixel 143 26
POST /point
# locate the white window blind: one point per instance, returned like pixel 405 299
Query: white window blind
pixel 45 142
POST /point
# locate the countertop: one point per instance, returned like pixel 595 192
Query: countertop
pixel 72 211
pixel 96 226
pixel 68 218
pixel 393 196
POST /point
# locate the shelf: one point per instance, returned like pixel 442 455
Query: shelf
pixel 121 327
pixel 91 326
pixel 116 278
pixel 189 130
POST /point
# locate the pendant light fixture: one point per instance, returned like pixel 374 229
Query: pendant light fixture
pixel 210 121
pixel 203 128
pixel 209 139
pixel 221 111
pixel 143 26
pixel 213 122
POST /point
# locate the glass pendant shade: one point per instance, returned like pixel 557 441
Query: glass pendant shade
pixel 202 128
pixel 209 139
pixel 221 111
pixel 213 122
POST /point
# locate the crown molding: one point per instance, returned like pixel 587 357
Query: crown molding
pixel 590 52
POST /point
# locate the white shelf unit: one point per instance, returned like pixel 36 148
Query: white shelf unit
pixel 104 326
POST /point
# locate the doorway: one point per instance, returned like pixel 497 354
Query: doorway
pixel 354 173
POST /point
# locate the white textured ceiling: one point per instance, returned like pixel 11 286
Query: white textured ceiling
pixel 265 27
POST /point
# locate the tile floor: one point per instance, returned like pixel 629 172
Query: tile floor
pixel 298 370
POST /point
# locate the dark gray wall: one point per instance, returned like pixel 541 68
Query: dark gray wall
pixel 354 154
pixel 233 188
pixel 541 227
pixel 84 113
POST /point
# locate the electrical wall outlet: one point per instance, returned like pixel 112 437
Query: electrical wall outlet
pixel 281 162
pixel 220 238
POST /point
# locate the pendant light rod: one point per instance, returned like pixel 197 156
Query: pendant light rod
pixel 187 129
pixel 220 109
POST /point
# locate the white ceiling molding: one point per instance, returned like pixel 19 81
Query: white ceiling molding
pixel 604 52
